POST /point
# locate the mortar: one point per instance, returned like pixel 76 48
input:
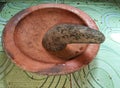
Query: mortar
pixel 23 40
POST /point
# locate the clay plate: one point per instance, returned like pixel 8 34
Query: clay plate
pixel 23 35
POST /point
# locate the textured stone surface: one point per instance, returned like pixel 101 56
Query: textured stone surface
pixel 60 35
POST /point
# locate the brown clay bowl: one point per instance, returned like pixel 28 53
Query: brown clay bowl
pixel 23 35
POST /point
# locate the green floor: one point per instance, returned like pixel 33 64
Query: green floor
pixel 103 72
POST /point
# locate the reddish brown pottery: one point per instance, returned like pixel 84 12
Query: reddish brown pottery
pixel 23 35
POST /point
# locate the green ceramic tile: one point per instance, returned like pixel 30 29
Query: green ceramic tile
pixel 102 72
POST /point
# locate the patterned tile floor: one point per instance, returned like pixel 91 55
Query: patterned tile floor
pixel 103 72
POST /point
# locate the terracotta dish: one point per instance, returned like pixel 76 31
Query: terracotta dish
pixel 23 35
